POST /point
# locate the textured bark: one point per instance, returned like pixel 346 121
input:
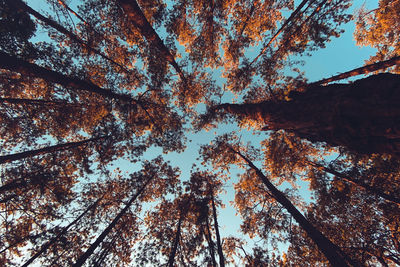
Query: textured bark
pixel 334 255
pixel 46 150
pixel 136 16
pixel 363 116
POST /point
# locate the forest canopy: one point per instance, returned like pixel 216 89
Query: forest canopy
pixel 101 100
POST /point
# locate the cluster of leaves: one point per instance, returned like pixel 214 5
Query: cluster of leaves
pixel 87 86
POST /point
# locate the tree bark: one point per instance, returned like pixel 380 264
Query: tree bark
pixel 81 260
pixel 46 150
pixel 65 229
pixel 20 4
pixel 136 16
pixel 363 116
pixel 23 67
pixel 333 253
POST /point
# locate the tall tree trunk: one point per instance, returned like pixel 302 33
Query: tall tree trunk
pixel 208 236
pixel 20 4
pixel 363 116
pixel 37 102
pixel 370 189
pixel 63 232
pixel 81 260
pixel 362 70
pixel 136 16
pixel 171 258
pixel 219 244
pixel 46 150
pixel 335 256
pixel 290 19
pixel 23 67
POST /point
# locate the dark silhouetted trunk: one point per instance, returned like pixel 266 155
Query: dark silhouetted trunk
pixel 81 260
pixel 37 102
pixel 363 116
pixel 219 244
pixel 208 236
pixel 370 189
pixel 63 232
pixel 362 70
pixel 20 4
pixel 46 150
pixel 23 67
pixel 333 253
pixel 136 16
pixel 171 258
pixel 289 20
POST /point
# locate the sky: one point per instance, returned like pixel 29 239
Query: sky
pixel 340 55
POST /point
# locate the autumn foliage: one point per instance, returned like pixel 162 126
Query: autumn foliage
pixel 99 100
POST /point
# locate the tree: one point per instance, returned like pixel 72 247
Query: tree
pixel 334 255
pixel 371 129
pixel 90 90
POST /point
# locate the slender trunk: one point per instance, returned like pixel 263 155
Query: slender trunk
pixel 81 260
pixel 136 16
pixel 103 255
pixel 65 229
pixel 36 102
pixel 334 255
pixel 207 233
pixel 20 4
pixel 362 70
pixel 171 258
pixel 13 63
pixel 46 150
pixel 73 12
pixel 290 19
pixel 366 187
pixel 219 244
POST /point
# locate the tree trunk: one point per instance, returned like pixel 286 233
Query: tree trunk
pixel 20 4
pixel 362 70
pixel 37 102
pixel 23 67
pixel 46 150
pixel 65 229
pixel 370 189
pixel 81 260
pixel 219 245
pixel 363 116
pixel 208 236
pixel 333 253
pixel 136 16
pixel 171 258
